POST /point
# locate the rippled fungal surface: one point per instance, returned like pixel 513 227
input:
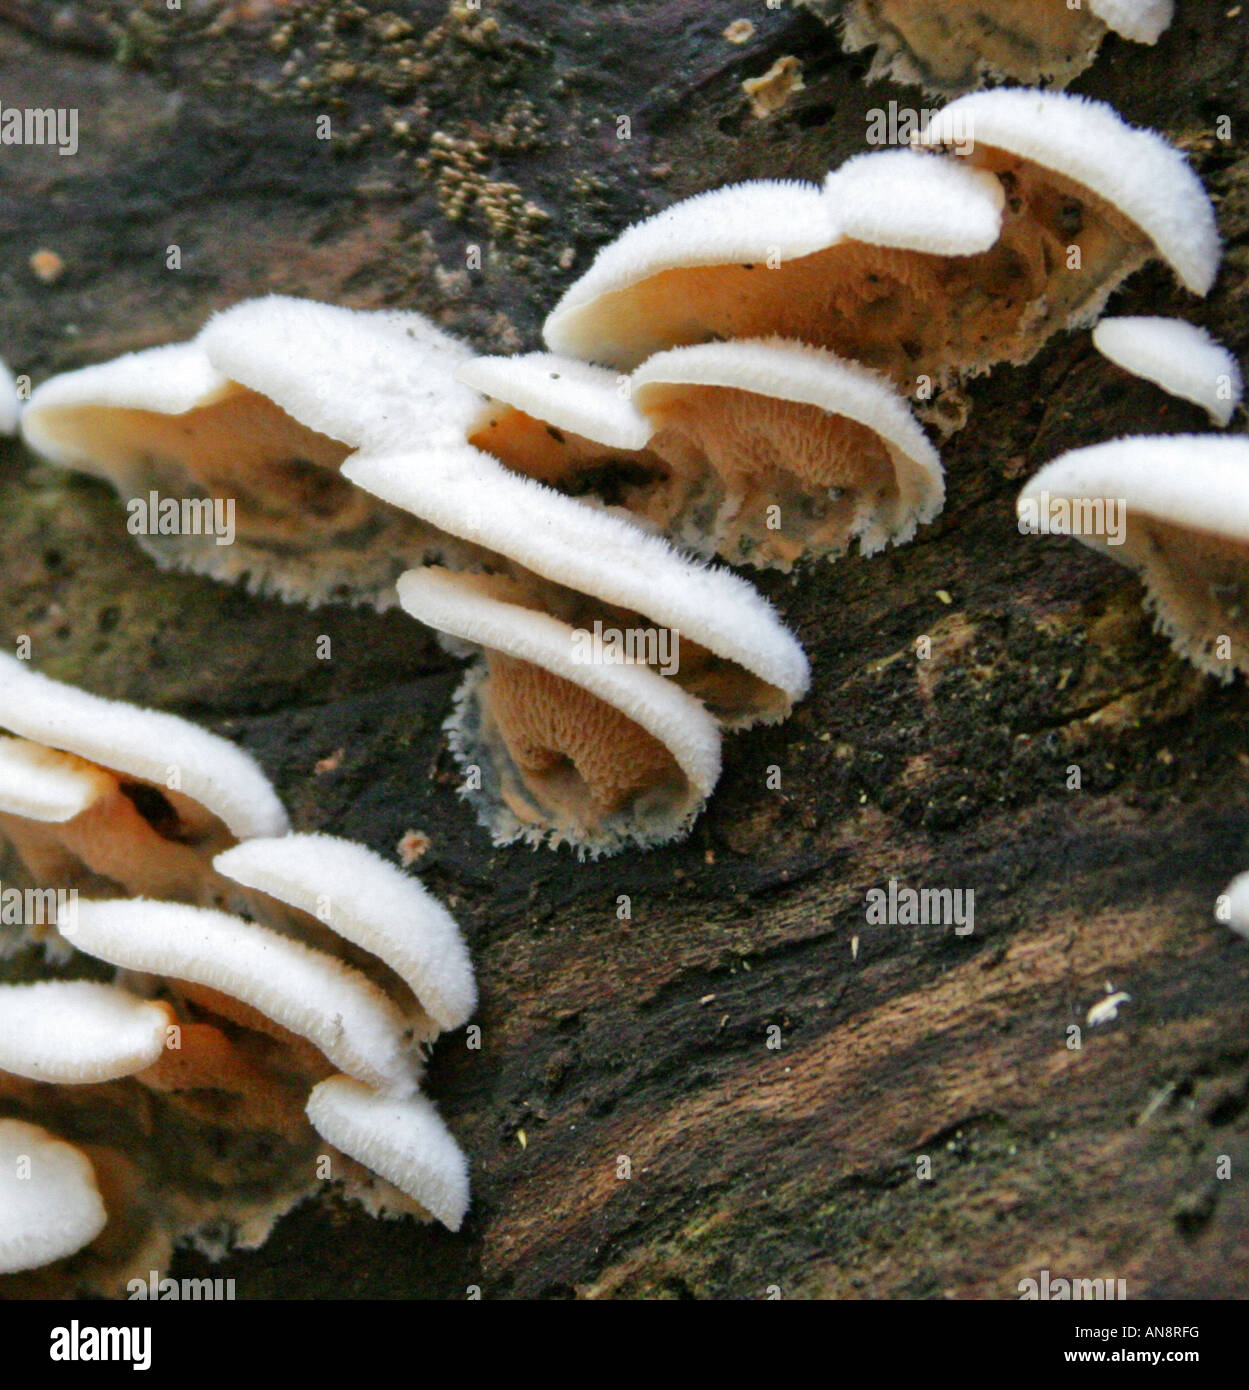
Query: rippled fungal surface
pixel 1175 509
pixel 567 748
pixel 953 46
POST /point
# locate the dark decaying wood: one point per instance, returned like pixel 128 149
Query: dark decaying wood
pixel 647 1039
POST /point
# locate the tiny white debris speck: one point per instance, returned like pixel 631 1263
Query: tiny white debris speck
pixel 1107 1010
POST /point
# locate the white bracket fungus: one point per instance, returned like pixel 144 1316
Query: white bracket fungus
pixel 306 991
pixel 652 286
pixel 254 1019
pixel 1233 907
pixel 1142 21
pixel 590 752
pixel 76 1031
pixel 756 669
pixel 370 903
pixel 44 784
pixel 241 432
pixel 860 287
pixel 902 200
pixel 1176 510
pixel 788 448
pixel 758 450
pixel 141 743
pixel 536 397
pixel 1089 199
pixel 404 1141
pixel 104 796
pixel 50 1205
pixel 1178 356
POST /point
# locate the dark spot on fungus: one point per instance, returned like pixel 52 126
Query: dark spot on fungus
pixel 155 808
pixel 1071 216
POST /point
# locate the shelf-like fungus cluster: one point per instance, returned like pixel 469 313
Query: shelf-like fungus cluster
pixel 731 374
pixel 229 998
pixel 344 438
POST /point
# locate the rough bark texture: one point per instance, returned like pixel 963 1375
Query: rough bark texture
pixel 647 1039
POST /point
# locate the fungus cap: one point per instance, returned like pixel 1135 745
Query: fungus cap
pixel 593 552
pixel 49 1210
pixel 1236 913
pixel 954 45
pixel 1178 356
pixel 1136 171
pixel 773 372
pixel 44 784
pixel 369 902
pixel 370 378
pixel 240 434
pixel 745 223
pixel 463 607
pixel 74 1032
pixel 404 1141
pixel 914 202
pixel 594 753
pixel 306 991
pixel 1184 504
pixel 563 392
pixel 142 743
pixel 169 380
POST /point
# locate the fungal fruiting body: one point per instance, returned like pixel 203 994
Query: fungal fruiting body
pixel 50 1205
pixel 563 736
pixel 77 1031
pixel 562 421
pixel 852 267
pixel 1233 906
pixel 1176 510
pixel 197 1060
pixel 1016 215
pixel 301 989
pixel 955 45
pixel 586 751
pixel 1178 356
pixel 223 414
pixel 362 899
pixel 1088 200
pixel 776 450
pixel 760 451
pixel 919 264
pixel 403 1141
pixel 227 449
pixel 581 561
pixel 206 1110
pixel 105 798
